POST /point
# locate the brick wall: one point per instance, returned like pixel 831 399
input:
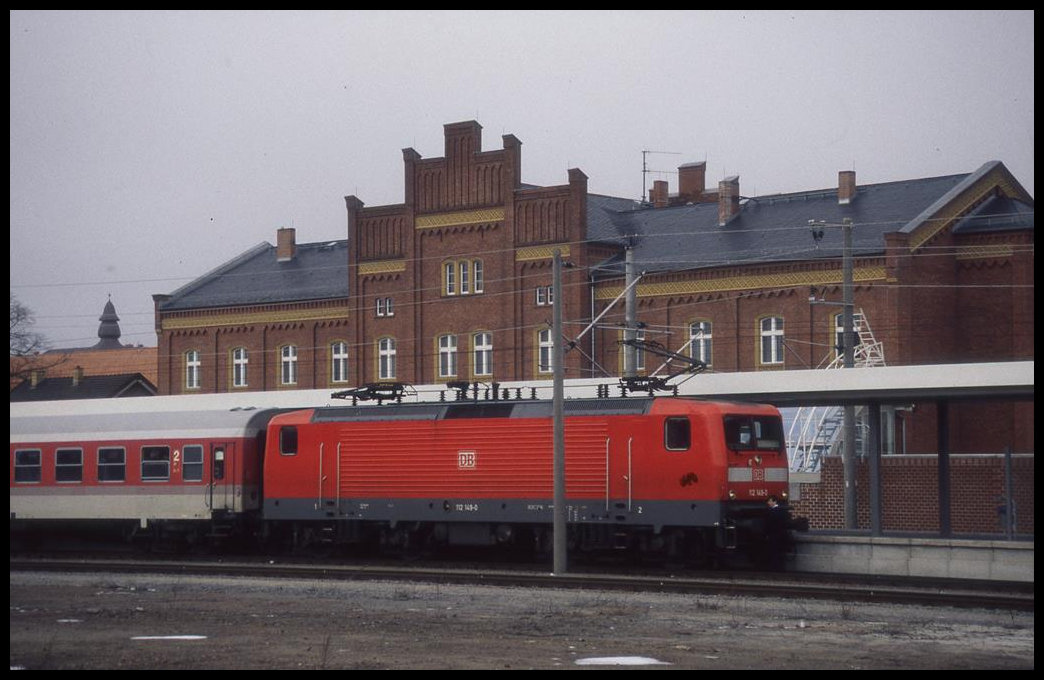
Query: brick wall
pixel 910 498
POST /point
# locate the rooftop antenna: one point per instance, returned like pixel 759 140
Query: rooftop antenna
pixel 645 169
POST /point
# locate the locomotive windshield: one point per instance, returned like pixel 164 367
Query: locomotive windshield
pixel 753 433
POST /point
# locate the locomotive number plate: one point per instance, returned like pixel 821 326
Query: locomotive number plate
pixel 466 460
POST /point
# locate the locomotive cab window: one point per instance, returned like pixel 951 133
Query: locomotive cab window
pixel 288 440
pixel 677 435
pixel 753 433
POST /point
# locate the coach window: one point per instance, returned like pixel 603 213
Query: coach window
pixel 677 435
pixel 155 463
pixel 68 465
pixel 27 466
pixel 192 463
pixel 112 465
pixel 288 440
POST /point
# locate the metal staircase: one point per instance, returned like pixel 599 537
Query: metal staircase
pixel 815 430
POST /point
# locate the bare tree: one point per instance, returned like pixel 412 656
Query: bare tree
pixel 27 346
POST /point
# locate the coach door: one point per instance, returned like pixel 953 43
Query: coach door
pixel 222 476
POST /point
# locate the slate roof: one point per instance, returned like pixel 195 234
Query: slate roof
pixel 88 387
pixel 775 228
pixel 318 271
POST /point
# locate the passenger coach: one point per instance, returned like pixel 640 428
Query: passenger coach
pixel 151 472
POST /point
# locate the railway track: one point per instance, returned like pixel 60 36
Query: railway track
pixel 836 587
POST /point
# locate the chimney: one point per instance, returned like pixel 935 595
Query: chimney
pixel 36 377
pixel 846 186
pixel 692 178
pixel 658 195
pixel 286 245
pixel 77 376
pixel 728 199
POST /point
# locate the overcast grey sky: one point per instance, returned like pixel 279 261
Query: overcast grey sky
pixel 148 148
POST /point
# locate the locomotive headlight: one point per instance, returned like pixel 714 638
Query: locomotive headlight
pixel 732 495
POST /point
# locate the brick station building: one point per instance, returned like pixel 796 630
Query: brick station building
pixel 454 284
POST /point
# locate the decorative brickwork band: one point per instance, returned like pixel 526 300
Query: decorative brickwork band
pixel 261 317
pixel 458 218
pixel 758 281
pixel 539 253
pixel 381 267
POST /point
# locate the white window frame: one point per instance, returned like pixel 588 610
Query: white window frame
pixel 477 276
pixel 288 365
pixel 338 361
pixel 465 278
pixel 447 356
pixel 192 369
pixel 771 340
pixel 449 275
pixel 839 334
pixel 482 353
pixel 701 337
pixel 240 364
pixel 545 352
pixel 386 358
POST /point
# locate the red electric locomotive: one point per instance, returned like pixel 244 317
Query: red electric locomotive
pixel 136 467
pixel 658 474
